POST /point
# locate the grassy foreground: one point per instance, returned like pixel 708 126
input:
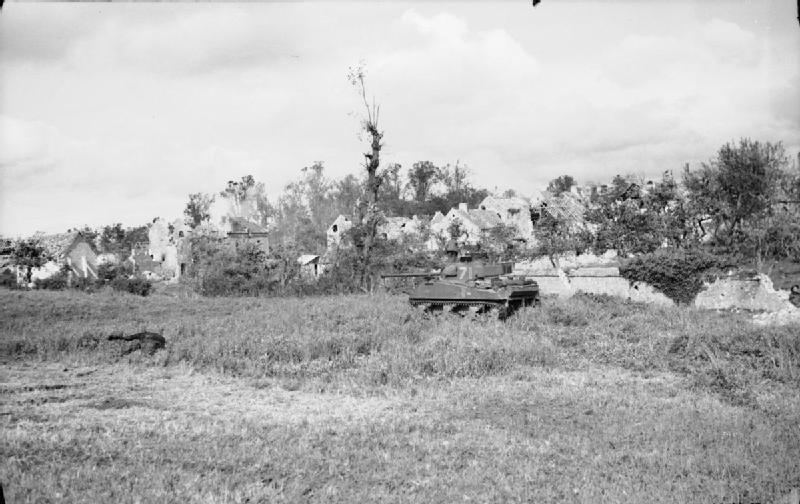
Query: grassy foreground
pixel 360 398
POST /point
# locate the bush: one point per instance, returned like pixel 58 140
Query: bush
pixel 679 274
pixel 8 279
pixel 59 281
pixel 139 286
pixel 111 271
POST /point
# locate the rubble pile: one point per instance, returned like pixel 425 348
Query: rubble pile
pixel 786 316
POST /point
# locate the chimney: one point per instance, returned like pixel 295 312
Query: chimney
pixel 462 207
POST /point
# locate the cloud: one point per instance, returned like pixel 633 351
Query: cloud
pixel 33 32
pixel 140 105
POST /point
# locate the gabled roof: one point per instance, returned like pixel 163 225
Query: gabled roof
pixel 566 207
pixel 504 204
pixel 437 217
pixel 341 221
pixel 240 225
pixel 307 258
pixel 59 245
pixel 482 219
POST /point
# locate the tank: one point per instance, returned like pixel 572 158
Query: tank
pixel 473 287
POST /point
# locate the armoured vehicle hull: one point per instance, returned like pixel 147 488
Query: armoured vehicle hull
pixel 476 288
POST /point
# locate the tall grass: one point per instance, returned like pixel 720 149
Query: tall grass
pixel 380 340
pixel 534 409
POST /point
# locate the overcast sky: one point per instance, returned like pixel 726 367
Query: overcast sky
pixel 116 112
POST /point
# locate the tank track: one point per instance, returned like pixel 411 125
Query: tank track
pixel 439 302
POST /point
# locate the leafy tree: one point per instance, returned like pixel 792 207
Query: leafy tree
pixel 631 220
pixel 736 195
pixel 560 184
pixel 29 254
pixel 238 189
pixel 421 178
pixel 118 240
pixel 247 190
pixel 555 236
pixel 91 234
pixel 457 189
pixel 197 209
pixel 111 238
pixel 391 192
pixel 347 193
pixel 455 229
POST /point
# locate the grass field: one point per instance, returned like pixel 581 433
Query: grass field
pixel 360 398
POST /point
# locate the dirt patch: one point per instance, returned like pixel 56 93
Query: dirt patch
pixel 181 390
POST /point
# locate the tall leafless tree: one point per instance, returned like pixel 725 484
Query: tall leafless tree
pixel 369 216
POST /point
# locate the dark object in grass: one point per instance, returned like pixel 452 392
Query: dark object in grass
pixel 794 295
pixel 147 342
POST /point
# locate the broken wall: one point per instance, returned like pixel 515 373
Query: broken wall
pixel 754 293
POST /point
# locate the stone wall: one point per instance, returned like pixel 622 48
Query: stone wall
pixel 754 293
pixel 569 284
pixel 588 273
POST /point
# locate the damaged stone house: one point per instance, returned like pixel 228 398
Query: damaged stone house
pixel 168 252
pixel 71 250
pixel 392 228
pixel 310 266
pixel 473 224
pixel 242 232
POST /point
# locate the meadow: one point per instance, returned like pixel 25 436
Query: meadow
pixel 364 399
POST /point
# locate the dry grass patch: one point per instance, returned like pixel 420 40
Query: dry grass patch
pixel 601 434
pixel 357 398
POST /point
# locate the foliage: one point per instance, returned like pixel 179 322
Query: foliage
pixel 737 195
pixel 555 236
pixel 58 281
pixel 120 241
pixel 197 209
pixel 678 273
pixel 223 269
pixel 632 220
pixel 135 285
pixel 421 178
pixel 29 253
pixel 561 184
pixel 111 271
pixel 254 193
pixel 8 279
pixel 368 214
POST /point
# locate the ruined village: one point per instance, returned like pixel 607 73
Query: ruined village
pixel 554 237
pixel 391 252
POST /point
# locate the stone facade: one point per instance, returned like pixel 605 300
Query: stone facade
pixel 514 211
pixel 70 249
pixel 337 230
pixel 168 247
pixel 754 293
pixel 473 223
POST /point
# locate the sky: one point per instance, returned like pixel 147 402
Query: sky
pixel 115 112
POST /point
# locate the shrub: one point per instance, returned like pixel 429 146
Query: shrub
pixel 59 281
pixel 111 271
pixel 8 279
pixel 139 286
pixel 679 274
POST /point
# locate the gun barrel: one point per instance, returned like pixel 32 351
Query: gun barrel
pixel 409 275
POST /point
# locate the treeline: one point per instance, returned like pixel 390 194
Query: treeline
pixel 301 215
pixel 741 207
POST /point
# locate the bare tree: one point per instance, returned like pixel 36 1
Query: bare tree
pixel 369 216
